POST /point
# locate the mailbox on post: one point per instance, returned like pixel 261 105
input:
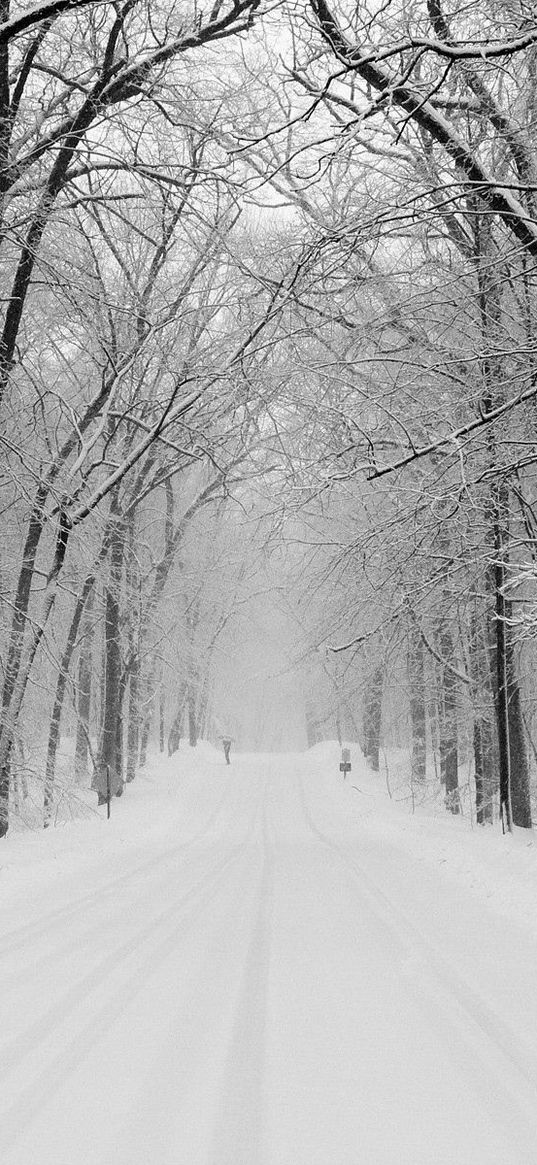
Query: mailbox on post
pixel 345 764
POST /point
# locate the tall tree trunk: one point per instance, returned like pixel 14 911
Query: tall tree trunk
pixel 133 603
pixel 177 723
pixel 54 731
pixel 515 803
pixel 312 724
pixel 203 707
pixel 162 709
pixel 483 716
pixel 515 806
pixel 133 731
pixel 483 743
pixel 148 708
pixel 84 686
pixel 192 720
pixel 449 748
pixel 433 718
pixel 416 679
pixel 18 669
pixel 15 650
pixel 373 717
pixel 109 753
pixel 518 755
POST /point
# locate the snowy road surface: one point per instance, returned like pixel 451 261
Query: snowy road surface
pixel 259 978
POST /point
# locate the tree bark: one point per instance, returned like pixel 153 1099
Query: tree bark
pixel 485 760
pixel 416 678
pixel 110 750
pixel 373 717
pixel 149 703
pixel 518 756
pixel 133 731
pixel 84 686
pixel 161 718
pixel 192 719
pixel 55 720
pixel 449 748
pixel 515 802
pixel 177 723
pixel 17 669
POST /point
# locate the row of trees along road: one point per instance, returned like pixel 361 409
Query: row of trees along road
pixel 279 262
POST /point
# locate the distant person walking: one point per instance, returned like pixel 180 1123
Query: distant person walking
pixel 227 742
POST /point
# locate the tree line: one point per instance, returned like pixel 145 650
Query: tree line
pixel 269 268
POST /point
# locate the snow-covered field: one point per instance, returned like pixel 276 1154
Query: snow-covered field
pixel 262 965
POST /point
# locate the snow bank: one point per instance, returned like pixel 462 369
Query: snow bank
pixel 162 806
pixel 499 870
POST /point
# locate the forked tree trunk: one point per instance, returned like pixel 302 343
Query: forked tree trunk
pixel 18 670
pixel 15 650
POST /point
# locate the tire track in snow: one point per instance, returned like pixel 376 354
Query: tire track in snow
pixel 34 1096
pixel 15 1051
pixel 190 906
pixel 17 938
pixel 83 933
pixel 169 863
pixel 453 998
pixel 238 1136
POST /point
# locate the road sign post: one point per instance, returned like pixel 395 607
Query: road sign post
pixel 107 783
pixel 345 763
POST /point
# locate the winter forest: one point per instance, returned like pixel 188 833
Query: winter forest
pixel 268 376
pixel 268 582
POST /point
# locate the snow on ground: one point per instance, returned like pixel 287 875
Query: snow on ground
pixel 502 871
pixel 262 964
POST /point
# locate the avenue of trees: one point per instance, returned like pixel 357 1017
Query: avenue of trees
pixel 267 343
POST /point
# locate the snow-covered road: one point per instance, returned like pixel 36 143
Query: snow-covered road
pixel 259 978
